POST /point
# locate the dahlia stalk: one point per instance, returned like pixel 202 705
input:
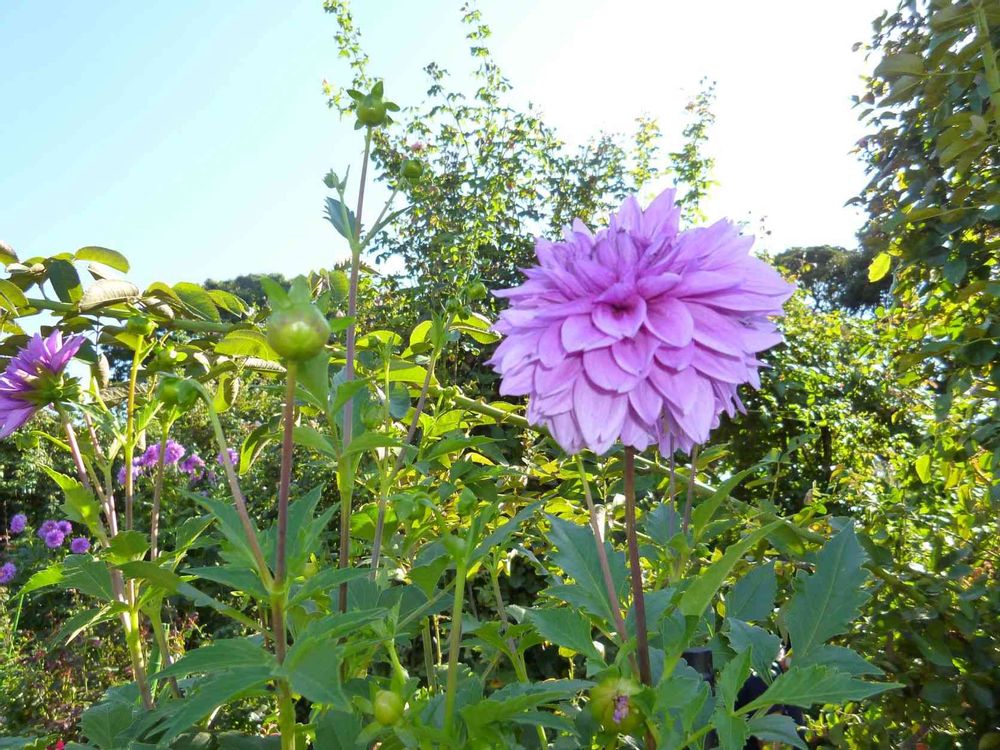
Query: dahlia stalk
pixel 640 334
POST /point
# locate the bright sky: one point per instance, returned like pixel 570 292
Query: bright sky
pixel 193 137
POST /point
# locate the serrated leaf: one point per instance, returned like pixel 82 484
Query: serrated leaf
pixel 777 728
pixel 213 692
pixel 842 659
pixel 827 602
pixel 762 646
pixel 752 598
pixel 312 666
pixel 223 654
pixel 104 723
pixel 341 217
pixel 576 556
pixel 814 685
pixel 703 589
pixel 565 628
pixel 110 258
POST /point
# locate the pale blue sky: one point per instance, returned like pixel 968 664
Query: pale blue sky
pixel 193 136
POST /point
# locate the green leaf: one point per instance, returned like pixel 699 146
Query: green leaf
pixel 367 441
pixel 731 679
pixel 81 506
pixel 576 556
pixel 44 578
pixel 327 579
pixel 816 684
pixel 85 574
pixel 565 628
pixel 110 258
pixel 703 589
pixel 777 728
pixel 213 692
pixel 197 301
pixel 842 659
pixel 105 292
pixel 343 219
pixel 732 731
pixel 752 598
pixel 127 546
pixel 246 342
pixel 338 730
pixel 11 296
pixel 705 510
pixel 312 666
pixel 827 602
pixel 923 467
pixel 900 64
pixel 235 741
pixel 879 267
pixel 763 646
pixel 64 279
pixel 238 579
pixel 104 723
pixel 228 301
pixel 223 654
pixel 314 439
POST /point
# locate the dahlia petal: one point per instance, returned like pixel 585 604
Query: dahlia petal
pixel 716 331
pixel 634 355
pixel 580 334
pixel 719 366
pixel 699 283
pixel 517 381
pixel 599 414
pixel 601 367
pixel 558 377
pixel 676 358
pixel 670 321
pixel 617 321
pixel 646 401
pixel 550 348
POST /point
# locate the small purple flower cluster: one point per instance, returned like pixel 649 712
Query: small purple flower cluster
pixel 54 533
pixel 7 572
pixel 177 455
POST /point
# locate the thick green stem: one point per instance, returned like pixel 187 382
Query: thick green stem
pixel 638 599
pixel 160 633
pixel 285 482
pixel 132 633
pixel 455 645
pixel 286 715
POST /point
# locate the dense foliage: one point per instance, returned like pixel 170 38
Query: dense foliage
pixel 336 531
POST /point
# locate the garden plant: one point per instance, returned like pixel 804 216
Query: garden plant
pixel 590 476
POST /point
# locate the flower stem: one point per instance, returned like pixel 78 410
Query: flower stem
pixel 638 600
pixel 455 644
pixel 286 715
pixel 284 486
pixel 602 556
pixel 160 633
pixel 344 554
pixel 689 501
pixel 131 621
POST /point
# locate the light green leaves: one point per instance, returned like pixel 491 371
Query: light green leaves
pixel 879 267
pixel 565 628
pixel 816 684
pixel 576 556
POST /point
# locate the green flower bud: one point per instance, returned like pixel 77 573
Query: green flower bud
pixel 298 332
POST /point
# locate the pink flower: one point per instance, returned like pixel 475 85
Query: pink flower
pixel 640 333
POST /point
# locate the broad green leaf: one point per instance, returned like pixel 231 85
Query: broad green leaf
pixel 313 666
pixel 327 580
pixel 215 691
pixel 197 301
pixel 565 628
pixel 576 556
pixel 923 467
pixel 342 218
pixel 762 645
pixel 104 723
pixel 64 279
pixel 367 441
pixel 238 579
pixel 85 574
pixel 314 439
pixel 108 292
pixel 246 342
pixel 338 730
pixel 752 598
pixel 827 602
pixel 110 258
pixel 777 728
pixel 228 301
pixel 223 654
pixel 879 267
pixel 809 686
pixel 900 64
pixel 705 510
pixel 81 506
pixel 11 296
pixel 732 731
pixel 703 589
pixel 127 546
pixel 44 578
pixel 731 679
pixel 843 659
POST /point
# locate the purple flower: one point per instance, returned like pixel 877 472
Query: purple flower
pixel 7 572
pixel 34 379
pixel 234 457
pixel 192 465
pixel 46 528
pixel 640 333
pixel 171 454
pixel 54 539
pixel 80 545
pixel 65 527
pixel 621 709
pixel 137 470
pixel 18 523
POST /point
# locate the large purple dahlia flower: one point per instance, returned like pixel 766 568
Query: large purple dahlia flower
pixel 34 378
pixel 640 332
